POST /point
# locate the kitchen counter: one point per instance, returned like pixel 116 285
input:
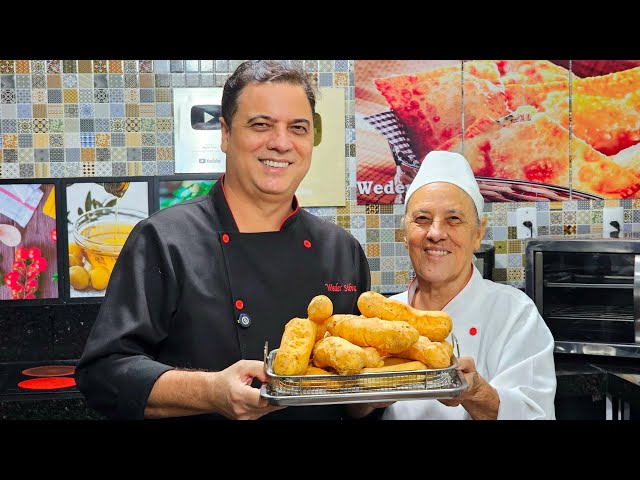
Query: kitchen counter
pixel 612 381
pixel 17 403
pixel 589 387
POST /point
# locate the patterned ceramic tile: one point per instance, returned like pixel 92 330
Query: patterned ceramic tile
pixel 133 139
pixel 165 168
pixel 146 66
pixel 115 66
pixel 132 110
pixel 7 66
pixel 126 111
pixel 103 154
pixel 22 67
pixel 131 66
pixel 85 80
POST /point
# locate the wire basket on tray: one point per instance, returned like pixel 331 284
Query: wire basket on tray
pixel 362 387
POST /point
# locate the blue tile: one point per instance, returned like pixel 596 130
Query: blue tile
pixel 23 96
pixel 146 95
pixel 118 140
pixel 24 110
pixel 87 139
pixel 163 109
pixel 87 125
pixel 325 80
pixel 72 154
pixel 164 139
pixel 116 95
pixel 9 126
pixel 341 66
pixel 103 125
pixel 117 109
pixel 86 110
pixel 25 140
pixel 41 155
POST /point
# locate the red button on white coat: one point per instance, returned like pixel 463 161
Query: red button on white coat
pixel 473 331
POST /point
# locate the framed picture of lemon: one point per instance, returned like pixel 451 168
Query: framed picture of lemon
pixel 100 215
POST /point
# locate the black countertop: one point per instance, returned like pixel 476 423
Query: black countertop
pixel 577 375
pixel 18 403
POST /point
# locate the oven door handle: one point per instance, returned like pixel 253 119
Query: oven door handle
pixel 636 298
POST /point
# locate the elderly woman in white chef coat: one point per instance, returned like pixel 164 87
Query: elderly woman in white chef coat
pixel 505 346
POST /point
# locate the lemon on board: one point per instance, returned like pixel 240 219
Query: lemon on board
pixel 99 278
pixel 75 261
pixel 74 249
pixel 78 277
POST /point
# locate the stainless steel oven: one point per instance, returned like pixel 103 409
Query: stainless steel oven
pixel 588 292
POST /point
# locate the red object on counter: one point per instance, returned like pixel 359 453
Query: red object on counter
pixel 51 383
pixel 49 371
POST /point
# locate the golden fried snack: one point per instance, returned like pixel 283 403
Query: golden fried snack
pixel 320 308
pixel 535 149
pixel 340 354
pixel 296 345
pixel 373 357
pixel 531 71
pixel 322 327
pixel 429 104
pixel 448 347
pixel 434 324
pixel 395 361
pixel 432 354
pixel 386 336
pixel 313 370
pixel 401 367
pixel 392 381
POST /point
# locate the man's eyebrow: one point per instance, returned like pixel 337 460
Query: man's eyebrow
pixel 421 211
pixel 269 118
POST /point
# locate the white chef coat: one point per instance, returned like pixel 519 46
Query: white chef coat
pixel 512 348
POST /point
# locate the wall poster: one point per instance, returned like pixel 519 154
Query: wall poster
pixel 100 217
pixel 512 124
pixel 28 241
pixel 325 183
pixel 197 130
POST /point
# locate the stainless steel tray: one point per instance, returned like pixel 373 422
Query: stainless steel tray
pixel 363 387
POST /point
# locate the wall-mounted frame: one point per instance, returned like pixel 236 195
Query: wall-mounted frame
pixel 173 189
pixel 99 214
pixel 197 130
pixel 29 247
pixel 53 224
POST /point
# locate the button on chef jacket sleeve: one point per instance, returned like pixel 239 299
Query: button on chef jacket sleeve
pixel 116 371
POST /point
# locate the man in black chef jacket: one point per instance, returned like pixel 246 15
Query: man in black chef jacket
pixel 199 287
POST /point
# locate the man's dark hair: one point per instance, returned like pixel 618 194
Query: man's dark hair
pixel 263 71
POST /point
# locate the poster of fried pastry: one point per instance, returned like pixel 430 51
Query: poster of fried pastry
pixel 532 130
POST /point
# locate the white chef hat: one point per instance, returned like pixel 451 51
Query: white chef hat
pixel 450 167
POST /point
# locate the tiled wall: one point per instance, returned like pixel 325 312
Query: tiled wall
pixel 68 118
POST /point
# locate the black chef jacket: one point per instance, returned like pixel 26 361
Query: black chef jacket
pixel 186 277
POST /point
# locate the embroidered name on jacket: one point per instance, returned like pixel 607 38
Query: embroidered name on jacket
pixel 341 287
